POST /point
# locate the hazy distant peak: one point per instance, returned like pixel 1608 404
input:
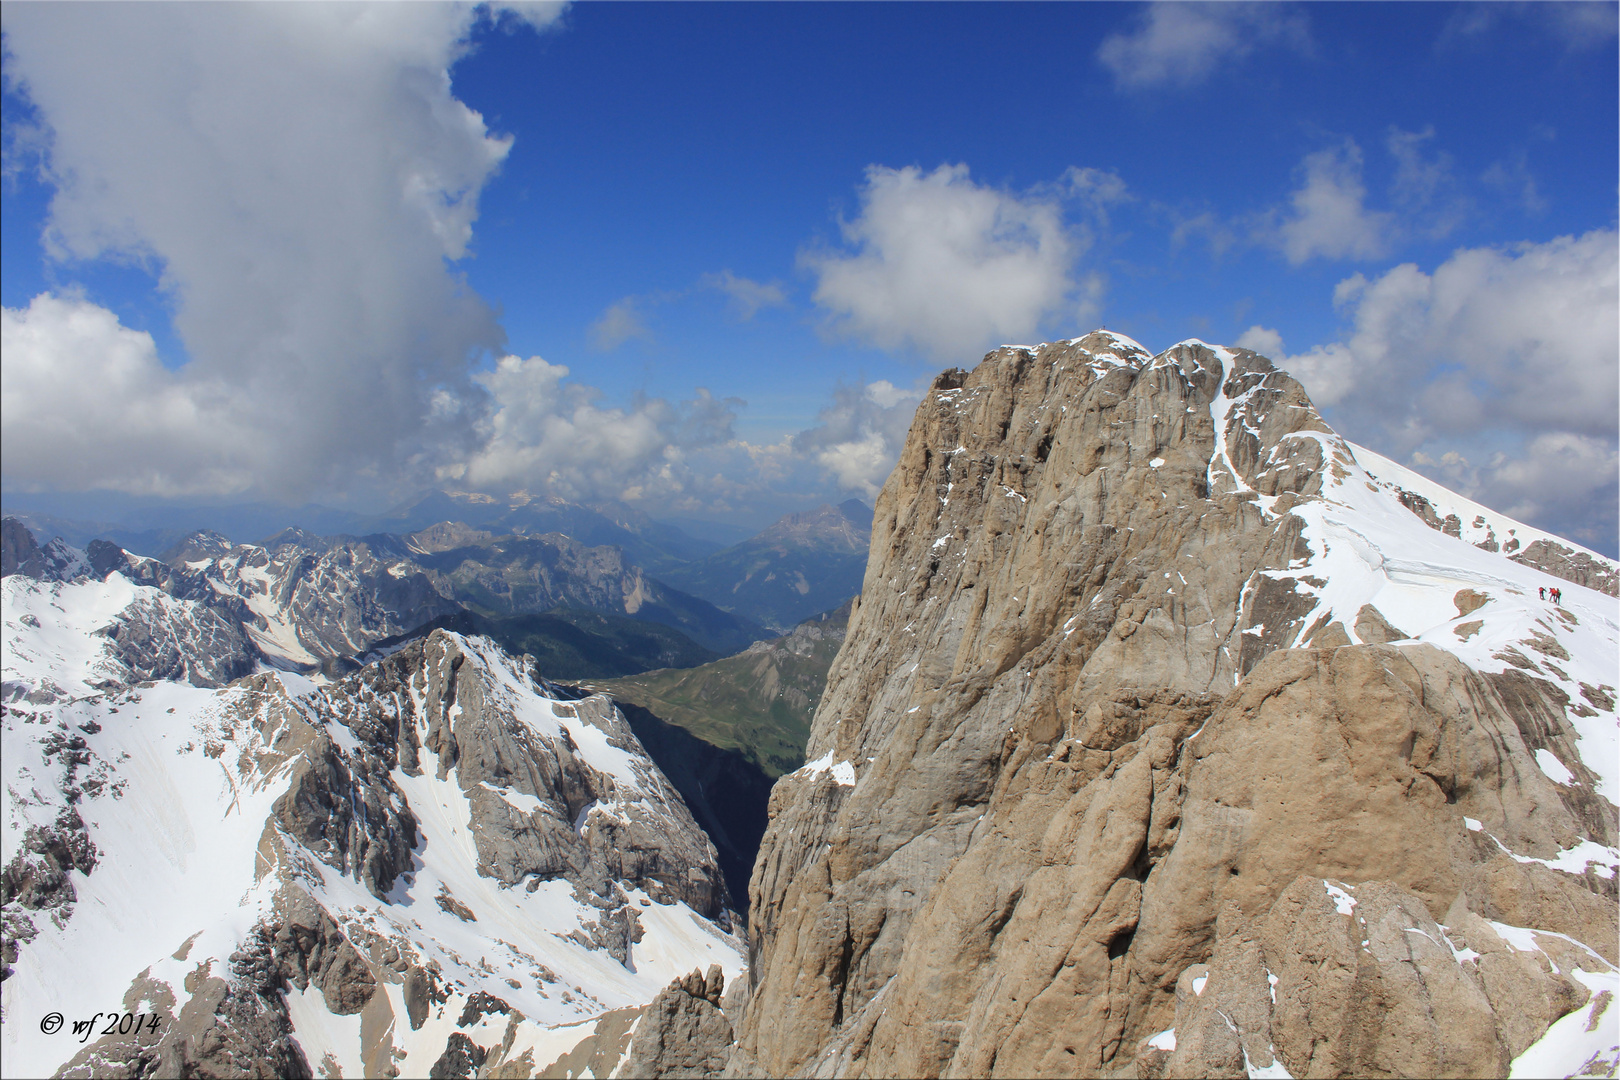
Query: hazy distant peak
pixel 846 526
pixel 856 511
pixel 446 536
pixel 295 537
pixel 202 544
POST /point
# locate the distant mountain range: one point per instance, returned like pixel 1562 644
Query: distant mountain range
pixel 509 556
pixel 151 530
pixel 804 564
pixel 650 544
pixel 303 602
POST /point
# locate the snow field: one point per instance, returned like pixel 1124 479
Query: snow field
pixel 178 849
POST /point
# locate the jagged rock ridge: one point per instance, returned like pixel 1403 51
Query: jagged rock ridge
pixel 437 859
pixel 1145 666
pixel 307 603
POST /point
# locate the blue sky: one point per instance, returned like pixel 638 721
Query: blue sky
pixel 751 233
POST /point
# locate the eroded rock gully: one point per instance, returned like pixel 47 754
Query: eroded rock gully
pixel 1071 749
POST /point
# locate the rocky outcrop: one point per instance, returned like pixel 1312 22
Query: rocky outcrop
pixel 461 1058
pixel 683 1034
pixel 157 640
pixel 21 554
pixel 38 880
pixel 1341 980
pixel 233 1023
pixel 1565 562
pixel 1115 684
pixel 592 827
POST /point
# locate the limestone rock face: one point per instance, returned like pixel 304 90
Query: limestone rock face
pixel 1341 980
pixel 1141 647
pixel 1561 560
pixel 683 1033
pixel 154 640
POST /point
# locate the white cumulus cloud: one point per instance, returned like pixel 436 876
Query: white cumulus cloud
pixel 298 176
pixel 858 438
pixel 87 403
pixel 939 262
pixel 1558 477
pixel 1328 216
pixel 546 433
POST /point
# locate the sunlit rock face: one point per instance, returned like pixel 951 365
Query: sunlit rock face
pixel 1147 662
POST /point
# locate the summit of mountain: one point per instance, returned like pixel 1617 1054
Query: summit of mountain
pixel 1170 736
pixel 846 527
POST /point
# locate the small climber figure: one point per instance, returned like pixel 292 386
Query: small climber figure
pixel 1543 592
pixel 1558 597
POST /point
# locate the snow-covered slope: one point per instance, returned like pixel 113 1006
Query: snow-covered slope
pixel 1483 527
pixel 1365 548
pixel 71 638
pixel 437 854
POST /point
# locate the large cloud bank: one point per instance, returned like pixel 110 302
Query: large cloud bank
pixel 301 177
pixel 302 180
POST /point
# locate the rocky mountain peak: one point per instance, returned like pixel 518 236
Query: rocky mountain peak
pixel 200 545
pixel 21 554
pixel 296 538
pixel 441 858
pixel 845 527
pixel 1144 651
pixel 446 536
